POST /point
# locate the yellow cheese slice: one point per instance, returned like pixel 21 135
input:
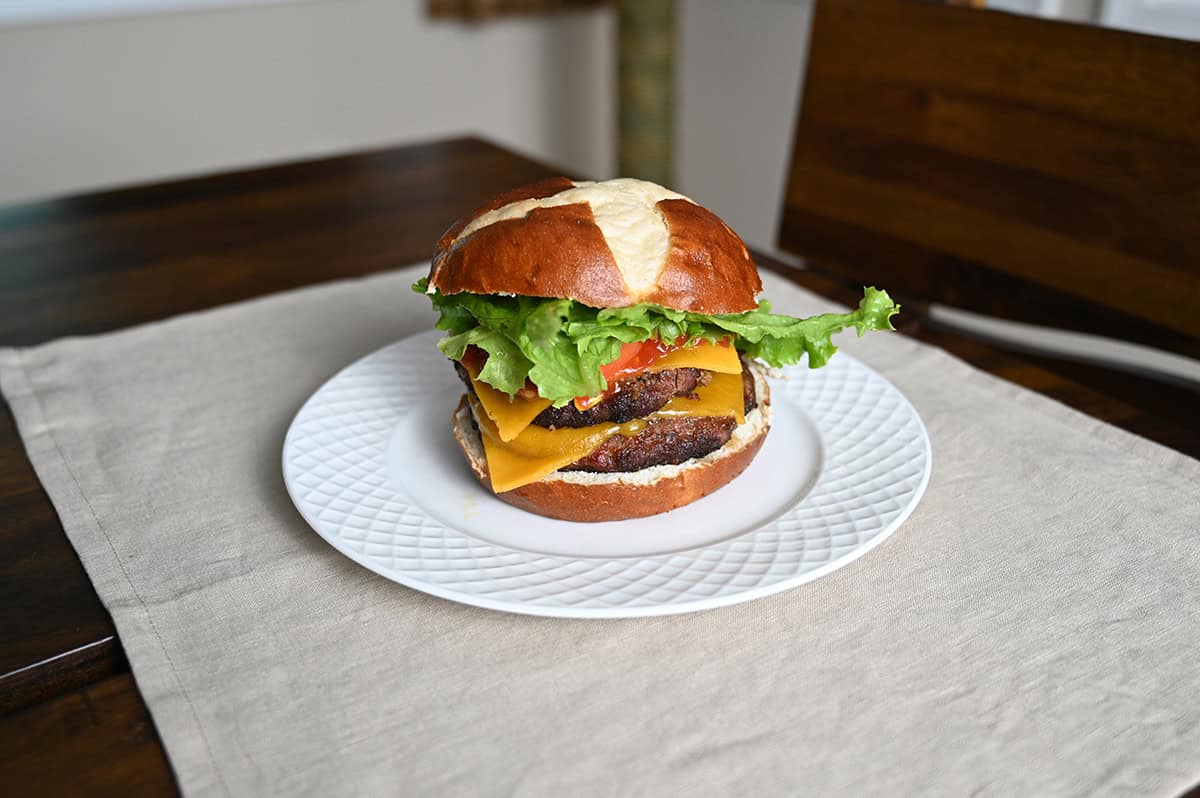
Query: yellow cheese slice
pixel 537 451
pixel 509 415
pixel 721 397
pixel 512 415
pixel 704 355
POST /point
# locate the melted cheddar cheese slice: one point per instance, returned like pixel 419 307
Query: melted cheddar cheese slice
pixel 512 415
pixel 537 451
pixel 704 355
pixel 721 397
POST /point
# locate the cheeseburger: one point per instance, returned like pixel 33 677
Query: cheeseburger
pixel 610 338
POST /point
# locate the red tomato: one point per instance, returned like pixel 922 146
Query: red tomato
pixel 474 359
pixel 632 359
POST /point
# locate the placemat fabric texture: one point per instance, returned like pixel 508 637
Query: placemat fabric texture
pixel 1031 629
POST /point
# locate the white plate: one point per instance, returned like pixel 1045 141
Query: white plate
pixel 371 464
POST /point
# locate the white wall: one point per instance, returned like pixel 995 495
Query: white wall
pixel 740 71
pixel 100 103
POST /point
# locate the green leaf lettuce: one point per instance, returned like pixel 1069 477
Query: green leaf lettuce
pixel 560 345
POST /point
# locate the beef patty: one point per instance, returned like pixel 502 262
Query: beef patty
pixel 635 397
pixel 663 441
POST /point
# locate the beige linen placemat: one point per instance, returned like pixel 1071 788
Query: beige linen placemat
pixel 1030 630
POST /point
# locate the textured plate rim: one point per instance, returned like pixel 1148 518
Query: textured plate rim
pixel 610 612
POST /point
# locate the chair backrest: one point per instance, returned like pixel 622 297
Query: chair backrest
pixel 1026 168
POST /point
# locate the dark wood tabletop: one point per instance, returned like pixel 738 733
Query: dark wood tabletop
pixel 71 719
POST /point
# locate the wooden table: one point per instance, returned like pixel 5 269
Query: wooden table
pixel 72 720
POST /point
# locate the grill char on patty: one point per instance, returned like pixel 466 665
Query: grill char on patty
pixel 667 441
pixel 636 397
pixel 662 441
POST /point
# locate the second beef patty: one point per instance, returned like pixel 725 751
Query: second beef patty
pixel 662 441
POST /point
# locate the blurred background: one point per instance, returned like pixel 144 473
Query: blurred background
pixel 105 93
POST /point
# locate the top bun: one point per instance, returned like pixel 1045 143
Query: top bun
pixel 609 244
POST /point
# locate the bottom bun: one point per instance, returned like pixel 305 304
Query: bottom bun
pixel 585 496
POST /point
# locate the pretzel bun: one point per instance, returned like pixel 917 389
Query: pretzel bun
pixel 608 244
pixel 583 496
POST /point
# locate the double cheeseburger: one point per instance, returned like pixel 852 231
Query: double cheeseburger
pixel 610 336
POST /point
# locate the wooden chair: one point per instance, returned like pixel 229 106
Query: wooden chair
pixel 1034 170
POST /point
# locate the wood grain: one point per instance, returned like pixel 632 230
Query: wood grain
pixel 54 633
pixel 98 741
pixel 1012 165
pixel 105 261
pixel 100 262
pixel 89 264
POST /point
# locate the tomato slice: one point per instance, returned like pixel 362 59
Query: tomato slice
pixel 474 359
pixel 632 359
